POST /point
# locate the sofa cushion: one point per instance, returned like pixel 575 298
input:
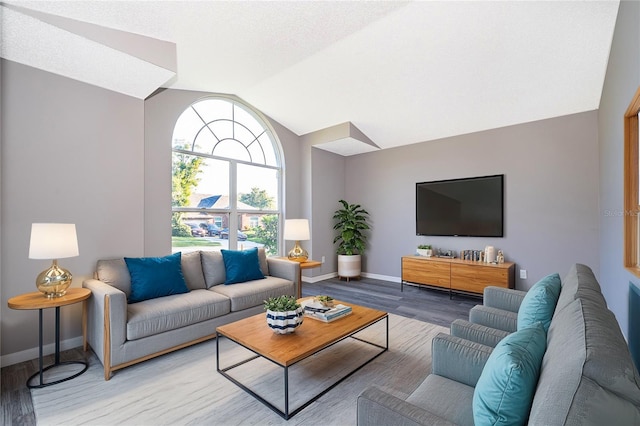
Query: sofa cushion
pixel 506 386
pixel 153 277
pixel 254 293
pixel 168 313
pixel 539 303
pixel 262 257
pixel 447 398
pixel 115 273
pixel 587 372
pixel 241 265
pixel 579 283
pixel 192 270
pixel 213 268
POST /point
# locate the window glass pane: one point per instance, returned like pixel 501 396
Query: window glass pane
pixel 200 182
pixel 267 145
pixel 197 231
pixel 185 130
pixel 257 188
pixel 214 109
pixel 204 141
pixel 223 129
pixel 249 120
pixel 232 149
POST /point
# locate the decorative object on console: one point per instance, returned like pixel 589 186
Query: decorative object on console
pixel 425 250
pixel 351 222
pixel 297 230
pixel 490 254
pixel 284 314
pixel 53 241
pixel 500 257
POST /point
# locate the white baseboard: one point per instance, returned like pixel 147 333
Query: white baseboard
pixel 34 353
pixel 364 274
pixel 319 278
pixel 382 277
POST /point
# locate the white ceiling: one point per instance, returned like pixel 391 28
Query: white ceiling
pixel 401 72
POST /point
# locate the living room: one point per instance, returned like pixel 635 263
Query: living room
pixel 75 152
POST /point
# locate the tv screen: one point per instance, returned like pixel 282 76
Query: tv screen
pixel 470 207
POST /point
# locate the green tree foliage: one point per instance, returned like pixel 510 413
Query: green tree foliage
pixel 186 169
pixel 267 234
pixel 184 178
pixel 257 198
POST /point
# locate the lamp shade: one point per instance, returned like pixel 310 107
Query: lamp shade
pixel 53 241
pixel 296 229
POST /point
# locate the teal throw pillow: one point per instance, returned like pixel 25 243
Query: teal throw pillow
pixel 241 265
pixel 153 277
pixel 505 389
pixel 539 303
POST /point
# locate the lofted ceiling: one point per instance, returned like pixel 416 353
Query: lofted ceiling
pixel 400 72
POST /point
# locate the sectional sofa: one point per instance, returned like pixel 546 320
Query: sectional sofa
pixel 125 327
pixel 586 375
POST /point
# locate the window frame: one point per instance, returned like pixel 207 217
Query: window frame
pixel 631 177
pixel 232 211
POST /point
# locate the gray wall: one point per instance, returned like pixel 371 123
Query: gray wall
pixel 71 153
pixel 622 81
pixel 551 199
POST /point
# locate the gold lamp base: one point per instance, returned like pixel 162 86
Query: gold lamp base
pixel 54 281
pixel 298 254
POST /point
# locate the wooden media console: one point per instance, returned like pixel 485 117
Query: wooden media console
pixel 456 275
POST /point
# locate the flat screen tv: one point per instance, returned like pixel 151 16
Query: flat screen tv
pixel 470 207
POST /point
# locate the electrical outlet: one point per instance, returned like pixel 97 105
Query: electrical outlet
pixel 322 259
pixel 523 274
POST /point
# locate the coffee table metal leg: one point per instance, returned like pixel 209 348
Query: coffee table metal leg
pixel 286 393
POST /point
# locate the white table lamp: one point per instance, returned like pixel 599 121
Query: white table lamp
pixel 53 241
pixel 297 230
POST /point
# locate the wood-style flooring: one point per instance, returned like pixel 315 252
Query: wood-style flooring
pixel 426 305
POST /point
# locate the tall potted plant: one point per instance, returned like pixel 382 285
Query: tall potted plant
pixel 351 224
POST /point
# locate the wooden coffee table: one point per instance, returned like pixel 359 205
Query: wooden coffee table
pixel 285 350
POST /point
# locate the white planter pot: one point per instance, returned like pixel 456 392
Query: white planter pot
pixel 285 322
pixel 425 252
pixel 349 266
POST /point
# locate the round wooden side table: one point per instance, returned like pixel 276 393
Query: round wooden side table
pixel 38 300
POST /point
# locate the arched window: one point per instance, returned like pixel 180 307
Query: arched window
pixel 226 178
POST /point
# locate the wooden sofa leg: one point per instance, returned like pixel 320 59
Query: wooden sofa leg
pixel 106 344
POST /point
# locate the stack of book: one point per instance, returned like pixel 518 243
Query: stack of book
pixel 325 314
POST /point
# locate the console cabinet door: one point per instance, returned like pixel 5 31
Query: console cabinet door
pixel 474 278
pixel 426 272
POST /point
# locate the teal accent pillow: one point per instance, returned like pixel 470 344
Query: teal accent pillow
pixel 505 389
pixel 539 303
pixel 241 265
pixel 153 277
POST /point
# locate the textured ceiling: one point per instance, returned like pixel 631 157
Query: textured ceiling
pixel 401 72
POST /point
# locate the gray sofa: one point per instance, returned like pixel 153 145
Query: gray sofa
pixel 587 375
pixel 122 334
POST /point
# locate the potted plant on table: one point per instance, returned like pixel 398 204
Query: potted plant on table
pixel 425 250
pixel 351 224
pixel 284 314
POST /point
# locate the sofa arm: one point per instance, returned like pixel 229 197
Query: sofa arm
pixel 105 338
pixel 286 269
pixel 477 333
pixel 376 407
pixel 494 318
pixel 458 359
pixel 503 298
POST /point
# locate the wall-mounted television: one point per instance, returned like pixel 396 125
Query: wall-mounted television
pixel 469 207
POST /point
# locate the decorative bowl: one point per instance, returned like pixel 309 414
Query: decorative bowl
pixel 285 322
